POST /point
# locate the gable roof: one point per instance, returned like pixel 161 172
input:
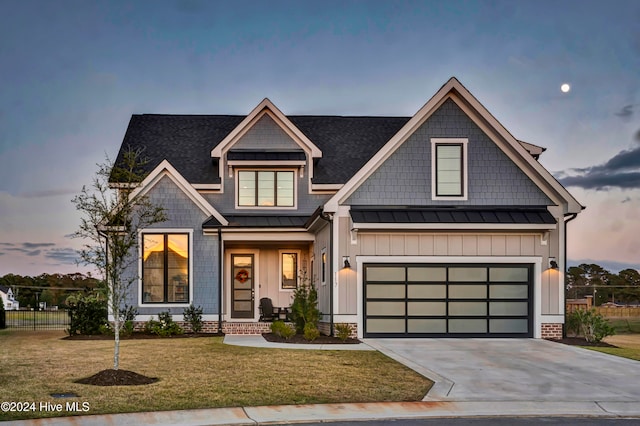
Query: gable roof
pixel 513 148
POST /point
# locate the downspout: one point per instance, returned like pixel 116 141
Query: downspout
pixel 220 260
pixel 566 270
pixel 329 218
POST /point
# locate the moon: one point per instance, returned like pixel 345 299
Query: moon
pixel 565 88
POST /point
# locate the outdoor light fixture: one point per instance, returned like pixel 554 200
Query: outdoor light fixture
pixel 345 260
pixel 552 263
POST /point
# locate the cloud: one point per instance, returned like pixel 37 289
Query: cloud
pixel 63 255
pixel 620 171
pixel 37 245
pixel 33 253
pixel 626 111
pixel 46 193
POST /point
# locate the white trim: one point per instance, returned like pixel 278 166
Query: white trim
pixel 207 186
pixel 298 254
pixel 323 266
pixel 455 226
pixel 465 174
pixel 166 169
pixel 141 233
pixel 264 163
pixel 552 319
pixel 265 208
pixel 535 260
pixel 273 235
pixel 326 186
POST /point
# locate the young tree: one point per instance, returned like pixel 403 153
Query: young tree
pixel 111 219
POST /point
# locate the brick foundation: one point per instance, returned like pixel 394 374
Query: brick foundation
pixel 551 331
pixel 246 327
pixel 325 328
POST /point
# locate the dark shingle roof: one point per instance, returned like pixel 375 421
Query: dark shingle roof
pixel 494 215
pixel 260 221
pixel 186 141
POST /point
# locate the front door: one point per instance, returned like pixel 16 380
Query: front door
pixel 242 286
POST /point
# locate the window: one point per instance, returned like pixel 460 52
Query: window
pixel 165 268
pixel 289 269
pixel 449 171
pixel 265 188
pixel 323 272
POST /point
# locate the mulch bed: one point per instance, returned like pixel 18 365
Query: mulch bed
pixel 299 338
pixel 580 341
pixel 139 335
pixel 113 377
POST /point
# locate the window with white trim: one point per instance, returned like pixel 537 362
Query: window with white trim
pixel 449 168
pixel 289 269
pixel 165 268
pixel 266 188
pixel 323 270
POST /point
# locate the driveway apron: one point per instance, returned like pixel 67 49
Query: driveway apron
pixel 515 370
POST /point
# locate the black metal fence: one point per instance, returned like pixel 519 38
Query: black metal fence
pixel 37 320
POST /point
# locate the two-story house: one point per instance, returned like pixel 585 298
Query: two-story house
pixel 440 224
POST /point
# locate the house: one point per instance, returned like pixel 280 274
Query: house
pixel 9 301
pixel 440 224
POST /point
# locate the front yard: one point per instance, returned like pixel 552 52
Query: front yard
pixel 193 373
pixel 628 346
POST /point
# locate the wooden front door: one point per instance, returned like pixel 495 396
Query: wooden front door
pixel 242 286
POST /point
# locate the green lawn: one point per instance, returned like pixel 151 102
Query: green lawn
pixel 194 373
pixel 628 346
pixel 625 325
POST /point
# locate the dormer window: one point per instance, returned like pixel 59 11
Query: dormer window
pixel 266 188
pixel 449 168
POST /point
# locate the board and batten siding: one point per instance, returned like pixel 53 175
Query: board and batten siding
pixel 454 243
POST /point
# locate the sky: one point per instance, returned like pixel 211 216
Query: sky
pixel 73 72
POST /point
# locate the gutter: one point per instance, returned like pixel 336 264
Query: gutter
pixel 220 259
pixel 570 216
pixel 329 218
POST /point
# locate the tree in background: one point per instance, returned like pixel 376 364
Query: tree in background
pixel 589 279
pixel 111 219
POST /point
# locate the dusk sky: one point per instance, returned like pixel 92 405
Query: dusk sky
pixel 73 72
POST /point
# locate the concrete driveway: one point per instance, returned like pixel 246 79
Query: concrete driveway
pixel 515 370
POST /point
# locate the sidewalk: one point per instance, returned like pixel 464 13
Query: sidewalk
pixel 279 414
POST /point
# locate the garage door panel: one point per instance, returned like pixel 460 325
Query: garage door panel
pixel 508 291
pixel 468 291
pixel 427 308
pixel 515 274
pixel 463 309
pixel 386 308
pixel 427 326
pixel 386 274
pixel 508 308
pixel 427 291
pixel 508 325
pixel 467 326
pixel 385 291
pixel 467 274
pixel 426 274
pixel 385 325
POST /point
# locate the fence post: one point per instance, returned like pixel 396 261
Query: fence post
pixel 3 318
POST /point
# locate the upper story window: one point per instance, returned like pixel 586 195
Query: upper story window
pixel 266 188
pixel 449 168
pixel 165 268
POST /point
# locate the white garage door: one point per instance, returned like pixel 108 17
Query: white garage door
pixel 453 300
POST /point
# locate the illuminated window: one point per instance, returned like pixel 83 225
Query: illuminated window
pixel 165 268
pixel 265 188
pixel 289 265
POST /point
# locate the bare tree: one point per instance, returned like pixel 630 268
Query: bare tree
pixel 113 212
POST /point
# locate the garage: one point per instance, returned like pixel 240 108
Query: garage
pixel 448 300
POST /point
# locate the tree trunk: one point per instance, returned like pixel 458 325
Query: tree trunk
pixel 116 347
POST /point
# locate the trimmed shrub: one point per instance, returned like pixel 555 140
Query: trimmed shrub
pixel 88 314
pixel 281 329
pixel 590 324
pixel 311 332
pixel 304 309
pixel 165 326
pixel 343 331
pixel 193 317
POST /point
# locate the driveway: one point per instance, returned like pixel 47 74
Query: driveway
pixel 515 370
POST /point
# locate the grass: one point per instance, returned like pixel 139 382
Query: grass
pixel 194 373
pixel 628 346
pixel 625 325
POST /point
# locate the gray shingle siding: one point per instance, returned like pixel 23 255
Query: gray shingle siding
pixel 405 177
pixel 266 134
pixel 183 214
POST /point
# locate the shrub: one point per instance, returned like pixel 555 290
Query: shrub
pixel 88 313
pixel 343 331
pixel 128 315
pixel 304 309
pixel 311 332
pixel 590 324
pixel 193 316
pixel 281 329
pixel 165 326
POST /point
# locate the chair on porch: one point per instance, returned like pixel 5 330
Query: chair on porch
pixel 267 311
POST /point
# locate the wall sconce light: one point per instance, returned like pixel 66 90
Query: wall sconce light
pixel 345 260
pixel 552 263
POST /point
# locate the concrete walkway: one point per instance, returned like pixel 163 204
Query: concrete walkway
pixel 257 341
pixel 444 400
